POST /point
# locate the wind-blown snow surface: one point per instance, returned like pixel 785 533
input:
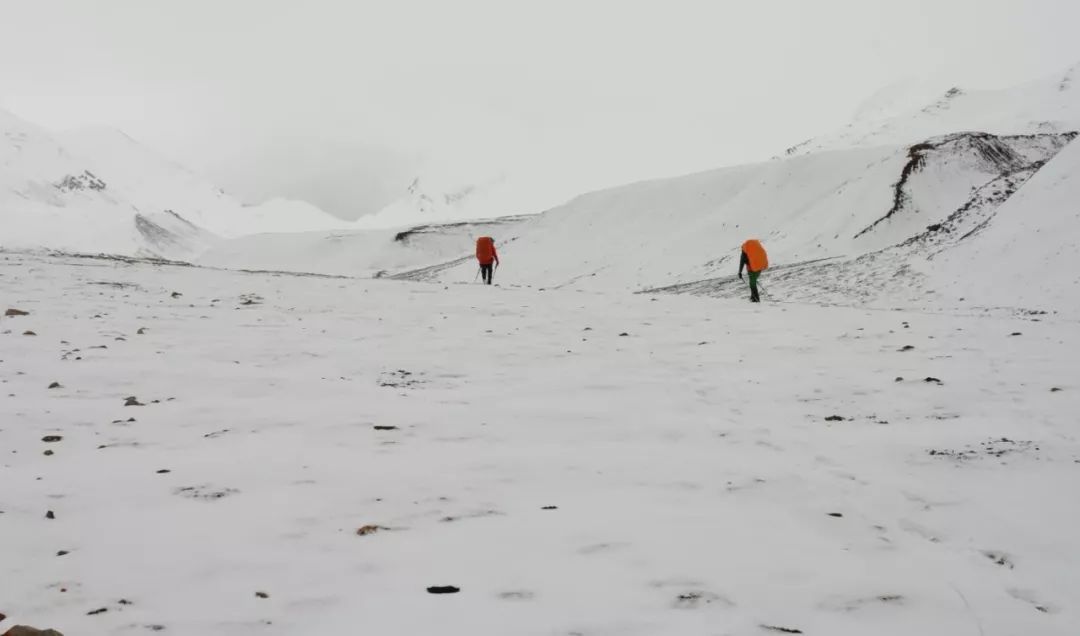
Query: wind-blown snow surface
pixel 699 485
pixel 100 191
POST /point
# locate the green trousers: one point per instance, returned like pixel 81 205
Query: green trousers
pixel 754 298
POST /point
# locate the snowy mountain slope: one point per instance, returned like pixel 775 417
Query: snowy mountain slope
pixel 757 469
pixel 836 205
pixel 1027 265
pixel 358 252
pixel 100 191
pixel 1044 106
pixel 50 198
pixel 1028 253
pixel 150 181
pixel 435 201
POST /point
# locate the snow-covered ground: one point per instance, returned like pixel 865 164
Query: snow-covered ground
pixel 575 462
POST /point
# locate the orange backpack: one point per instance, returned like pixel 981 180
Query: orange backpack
pixel 485 249
pixel 755 253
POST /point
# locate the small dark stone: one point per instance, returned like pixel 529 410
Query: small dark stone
pixel 443 589
pixel 907 347
pixel 550 508
pixel 176 294
pixel 132 401
pixel 49 453
pixel 62 553
pixel 379 427
pixel 51 438
pixel 55 385
pixel 163 471
pixel 262 595
pixel 623 334
pixel 836 514
pixel 16 312
pixel 932 379
pixel 933 228
pixel 782 630
pixel 141 331
pixel 124 601
pixel 100 610
pixel 899 379
pixel 834 418
pixel 1055 389
pixel 1016 333
pixel 50 515
pixel 29 333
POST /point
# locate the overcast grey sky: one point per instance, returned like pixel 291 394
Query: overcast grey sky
pixel 340 101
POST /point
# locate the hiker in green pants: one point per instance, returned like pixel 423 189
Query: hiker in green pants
pixel 755 260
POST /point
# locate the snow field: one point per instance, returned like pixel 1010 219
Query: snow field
pixel 700 487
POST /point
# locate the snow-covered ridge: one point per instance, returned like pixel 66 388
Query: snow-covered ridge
pixel 1047 105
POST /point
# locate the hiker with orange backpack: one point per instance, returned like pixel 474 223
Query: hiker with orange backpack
pixel 487 257
pixel 755 260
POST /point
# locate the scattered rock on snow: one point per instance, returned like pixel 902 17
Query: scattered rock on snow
pixel 24 630
pixel 141 331
pixel 1016 333
pixel 363 531
pixel 1000 559
pixel 176 294
pixel 60 553
pixel 834 418
pixel 443 589
pixel 380 427
pixel 16 312
pixel 52 438
pixel 132 401
pixel 55 385
pixel 782 630
pixel 261 595
pixel 623 334
pixel 163 471
pixel 29 333
pixel 399 379
pixel 50 515
pixel 932 380
pixel 550 508
pixel 836 514
pixel 907 347
pixel 205 493
pixel 1056 389
pixel 100 610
